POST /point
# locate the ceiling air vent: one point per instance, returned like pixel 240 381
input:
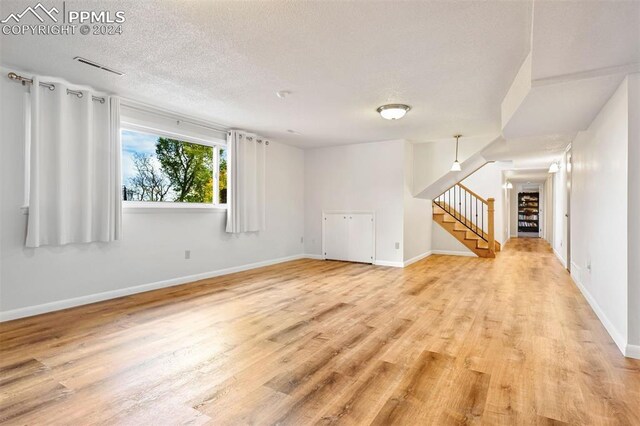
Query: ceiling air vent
pixel 95 64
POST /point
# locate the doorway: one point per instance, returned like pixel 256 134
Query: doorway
pixel 528 209
pixel 529 214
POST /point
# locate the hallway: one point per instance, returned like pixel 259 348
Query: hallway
pixel 447 340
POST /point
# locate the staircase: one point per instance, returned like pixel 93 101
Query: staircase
pixel 469 218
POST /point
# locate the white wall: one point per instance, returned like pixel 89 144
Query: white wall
pixel 506 213
pixel 443 242
pixel 513 211
pixel 153 244
pixel 548 210
pixel 487 182
pixel 599 214
pixel 417 213
pixel 368 176
pixel 432 160
pixel 633 230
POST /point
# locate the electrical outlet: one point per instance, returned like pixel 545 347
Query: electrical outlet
pixel 187 254
pixel 397 246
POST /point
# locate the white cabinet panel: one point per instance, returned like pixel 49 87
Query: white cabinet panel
pixel 336 237
pixel 361 238
pixel 349 236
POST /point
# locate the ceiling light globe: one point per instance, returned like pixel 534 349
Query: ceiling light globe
pixel 456 166
pixel 393 111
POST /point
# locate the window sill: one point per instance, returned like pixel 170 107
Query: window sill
pixel 166 207
pixel 151 207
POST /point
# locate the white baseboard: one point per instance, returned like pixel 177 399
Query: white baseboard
pixel 454 253
pixel 392 263
pixel 417 258
pixel 564 262
pixel 313 256
pixel 618 338
pixel 375 262
pixel 632 351
pixel 389 263
pixel 99 297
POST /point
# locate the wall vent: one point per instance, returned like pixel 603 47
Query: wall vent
pixel 97 65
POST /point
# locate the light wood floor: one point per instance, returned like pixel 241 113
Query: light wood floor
pixel 448 340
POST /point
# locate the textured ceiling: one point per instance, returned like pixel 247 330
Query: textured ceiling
pixel 581 36
pixel 223 61
pixel 530 153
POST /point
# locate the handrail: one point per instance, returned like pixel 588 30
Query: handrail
pixel 472 193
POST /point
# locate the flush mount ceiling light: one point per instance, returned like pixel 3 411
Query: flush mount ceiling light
pixel 553 168
pixel 393 111
pixel 509 185
pixel 456 164
pixel 283 94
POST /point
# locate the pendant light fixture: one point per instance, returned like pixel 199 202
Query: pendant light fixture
pixel 553 168
pixel 393 111
pixel 456 164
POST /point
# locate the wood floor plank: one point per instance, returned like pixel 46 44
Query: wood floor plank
pixel 447 340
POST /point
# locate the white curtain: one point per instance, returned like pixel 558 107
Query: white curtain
pixel 245 182
pixel 74 177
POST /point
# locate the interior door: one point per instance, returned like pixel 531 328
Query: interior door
pixel 336 236
pixel 360 245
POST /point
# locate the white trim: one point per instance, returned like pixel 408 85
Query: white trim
pixel 618 338
pixel 154 206
pixel 314 256
pixel 389 263
pixel 348 212
pixel 417 258
pixel 162 207
pixel 98 297
pixel 564 262
pixel 454 253
pixel 154 131
pixel 144 107
pixel 632 351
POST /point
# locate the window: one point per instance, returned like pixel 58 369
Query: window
pixel 161 169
